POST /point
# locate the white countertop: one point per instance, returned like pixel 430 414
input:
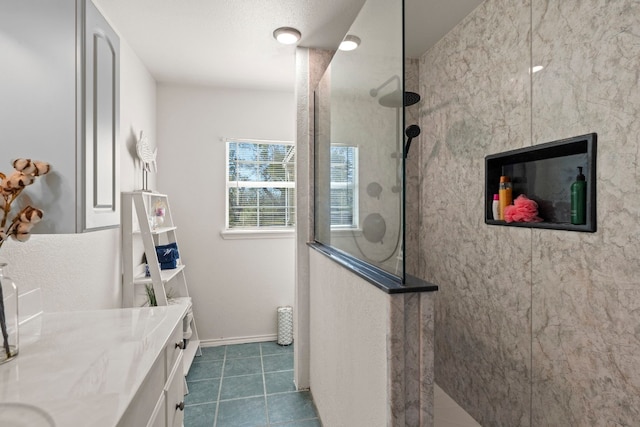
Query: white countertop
pixel 84 368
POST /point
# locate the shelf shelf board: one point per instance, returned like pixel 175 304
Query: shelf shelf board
pixel 165 275
pixel 180 301
pixel 548 225
pixel 159 230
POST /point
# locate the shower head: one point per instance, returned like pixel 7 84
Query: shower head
pixel 374 92
pixel 411 132
pixel 395 99
pixel 411 98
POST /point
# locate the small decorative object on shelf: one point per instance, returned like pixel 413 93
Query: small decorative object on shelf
pixel 151 295
pixel 168 255
pixel 147 157
pixel 19 228
pixel 158 211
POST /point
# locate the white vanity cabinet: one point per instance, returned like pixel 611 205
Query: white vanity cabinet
pixel 160 401
pixel 169 410
pixel 60 104
pixel 103 368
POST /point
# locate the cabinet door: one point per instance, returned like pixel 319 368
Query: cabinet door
pixel 158 418
pixel 175 395
pixel 101 123
pixel 38 103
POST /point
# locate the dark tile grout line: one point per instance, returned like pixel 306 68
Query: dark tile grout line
pixel 258 395
pixel 224 361
pixel 238 376
pixel 264 388
pixel 245 397
pixel 247 357
pixel 282 423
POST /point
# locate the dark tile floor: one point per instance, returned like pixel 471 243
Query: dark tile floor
pixel 246 385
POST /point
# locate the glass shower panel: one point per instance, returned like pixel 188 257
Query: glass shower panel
pixel 359 122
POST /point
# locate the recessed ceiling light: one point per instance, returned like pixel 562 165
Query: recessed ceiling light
pixel 287 35
pixel 349 43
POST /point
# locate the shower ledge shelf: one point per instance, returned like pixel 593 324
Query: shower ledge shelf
pixel 379 278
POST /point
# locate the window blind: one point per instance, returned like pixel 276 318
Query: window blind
pixel 260 184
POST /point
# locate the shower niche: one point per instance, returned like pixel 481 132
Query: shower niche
pixel 545 173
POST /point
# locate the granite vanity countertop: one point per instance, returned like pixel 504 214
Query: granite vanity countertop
pixel 84 368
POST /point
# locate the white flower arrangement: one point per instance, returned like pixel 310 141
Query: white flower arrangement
pixel 11 186
pixel 25 174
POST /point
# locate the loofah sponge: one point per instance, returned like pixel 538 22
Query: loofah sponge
pixel 522 210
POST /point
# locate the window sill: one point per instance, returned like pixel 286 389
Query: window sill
pixel 257 234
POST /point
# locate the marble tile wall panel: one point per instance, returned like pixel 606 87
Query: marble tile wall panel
pixel 396 360
pixel 427 346
pixel 410 353
pixel 586 287
pixel 412 334
pixel 321 155
pixel 412 175
pixel 476 90
pixel 310 66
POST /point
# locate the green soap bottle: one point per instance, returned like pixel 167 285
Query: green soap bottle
pixel 579 199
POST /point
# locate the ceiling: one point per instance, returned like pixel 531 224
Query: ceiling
pixel 229 43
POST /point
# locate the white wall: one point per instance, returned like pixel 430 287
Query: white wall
pixel 137 113
pixel 348 346
pixel 82 271
pixel 236 285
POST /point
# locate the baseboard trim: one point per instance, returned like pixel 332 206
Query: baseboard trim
pixel 238 340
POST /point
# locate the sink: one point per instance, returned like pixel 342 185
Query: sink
pixel 15 414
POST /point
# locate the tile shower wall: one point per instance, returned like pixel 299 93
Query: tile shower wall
pixel 586 287
pixel 476 102
pixel 412 176
pixel 534 327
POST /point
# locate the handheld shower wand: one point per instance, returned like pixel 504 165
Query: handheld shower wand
pixel 412 131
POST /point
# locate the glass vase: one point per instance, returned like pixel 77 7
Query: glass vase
pixel 8 317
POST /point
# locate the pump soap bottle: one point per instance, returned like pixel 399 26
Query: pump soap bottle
pixel 505 192
pixel 579 199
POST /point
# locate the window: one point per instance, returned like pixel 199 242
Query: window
pixel 260 184
pixel 344 186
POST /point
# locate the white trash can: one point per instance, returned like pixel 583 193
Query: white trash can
pixel 285 325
